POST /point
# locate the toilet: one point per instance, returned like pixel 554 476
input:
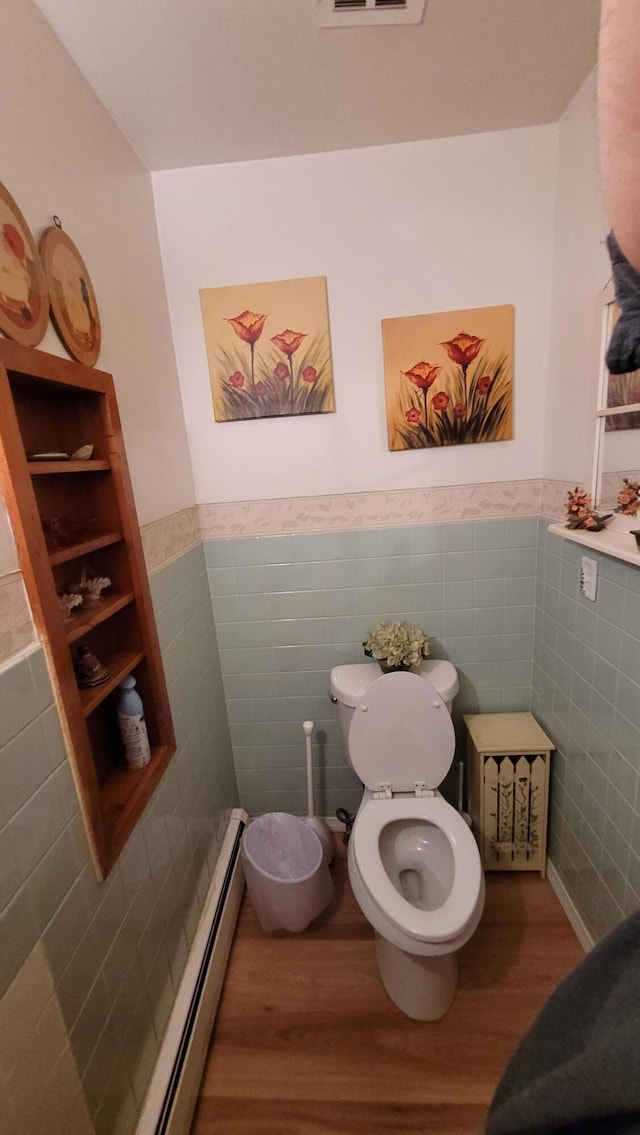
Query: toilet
pixel 414 865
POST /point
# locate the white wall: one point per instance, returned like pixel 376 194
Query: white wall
pixel 63 154
pixel 581 271
pixel 397 230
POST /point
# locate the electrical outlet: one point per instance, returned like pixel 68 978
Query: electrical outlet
pixel 588 578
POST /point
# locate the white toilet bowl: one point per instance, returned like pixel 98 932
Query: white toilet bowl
pixel 415 872
pixel 414 865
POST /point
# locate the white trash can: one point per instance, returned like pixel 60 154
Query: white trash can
pixel 288 883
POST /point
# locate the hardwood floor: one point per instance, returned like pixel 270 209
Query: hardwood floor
pixel 308 1043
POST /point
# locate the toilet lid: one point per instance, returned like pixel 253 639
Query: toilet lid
pixel 401 732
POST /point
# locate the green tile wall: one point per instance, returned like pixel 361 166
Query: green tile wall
pixel 116 950
pixel 289 608
pixel 586 694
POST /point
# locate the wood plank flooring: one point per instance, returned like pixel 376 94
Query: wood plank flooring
pixel 308 1043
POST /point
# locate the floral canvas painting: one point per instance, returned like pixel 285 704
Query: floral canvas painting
pixel 268 349
pixel 449 377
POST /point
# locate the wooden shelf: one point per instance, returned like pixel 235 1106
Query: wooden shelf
pixel 125 794
pixel 118 665
pixel 46 404
pixel 614 540
pixel 85 621
pixel 74 551
pixel 49 467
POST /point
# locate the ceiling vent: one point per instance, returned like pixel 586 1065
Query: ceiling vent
pixel 363 13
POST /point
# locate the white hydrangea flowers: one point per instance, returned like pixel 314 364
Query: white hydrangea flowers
pixel 397 644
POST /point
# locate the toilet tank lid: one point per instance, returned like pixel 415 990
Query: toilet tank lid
pixel 350 683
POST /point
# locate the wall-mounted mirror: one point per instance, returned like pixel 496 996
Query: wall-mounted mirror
pixel 617 442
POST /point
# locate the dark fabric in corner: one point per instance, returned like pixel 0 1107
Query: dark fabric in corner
pixel 577 1070
pixel 623 352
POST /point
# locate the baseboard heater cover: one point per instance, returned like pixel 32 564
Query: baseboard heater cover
pixel 173 1091
pixel 584 936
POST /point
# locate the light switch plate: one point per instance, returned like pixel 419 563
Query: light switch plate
pixel 588 578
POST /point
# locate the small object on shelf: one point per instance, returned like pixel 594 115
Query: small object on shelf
pixel 635 532
pixel 133 728
pixel 67 602
pixel 84 453
pixel 581 514
pixel 48 455
pixel 90 587
pixel 628 497
pixel 63 532
pixel 89 670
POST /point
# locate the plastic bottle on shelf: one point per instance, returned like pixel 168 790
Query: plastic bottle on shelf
pixel 133 728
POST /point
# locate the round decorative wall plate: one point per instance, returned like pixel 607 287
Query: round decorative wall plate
pixel 74 308
pixel 24 302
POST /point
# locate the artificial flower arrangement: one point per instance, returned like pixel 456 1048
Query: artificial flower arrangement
pixel 581 513
pixel 628 497
pixel 396 645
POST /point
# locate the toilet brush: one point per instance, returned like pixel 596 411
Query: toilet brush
pixel 314 822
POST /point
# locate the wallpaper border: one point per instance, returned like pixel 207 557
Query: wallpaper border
pixel 389 509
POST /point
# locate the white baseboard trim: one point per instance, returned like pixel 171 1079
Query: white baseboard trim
pixel 173 1091
pixel 570 909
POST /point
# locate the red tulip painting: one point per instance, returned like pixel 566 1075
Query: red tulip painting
pixel 248 327
pixel 461 390
pixel 268 349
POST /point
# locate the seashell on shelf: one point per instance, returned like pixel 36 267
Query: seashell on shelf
pixel 84 453
pixel 67 602
pixel 90 587
pixel 92 591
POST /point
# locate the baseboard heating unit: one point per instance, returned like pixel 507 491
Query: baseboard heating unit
pixel 173 1092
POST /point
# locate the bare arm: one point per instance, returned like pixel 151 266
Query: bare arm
pixel 619 121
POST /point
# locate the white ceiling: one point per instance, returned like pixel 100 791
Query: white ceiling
pixel 194 82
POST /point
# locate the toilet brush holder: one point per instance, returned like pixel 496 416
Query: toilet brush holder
pixel 320 827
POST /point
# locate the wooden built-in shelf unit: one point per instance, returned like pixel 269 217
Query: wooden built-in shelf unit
pixel 52 405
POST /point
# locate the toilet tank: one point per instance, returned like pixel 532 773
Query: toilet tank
pixel 350 683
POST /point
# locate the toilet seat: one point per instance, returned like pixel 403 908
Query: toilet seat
pixel 448 920
pixel 401 735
